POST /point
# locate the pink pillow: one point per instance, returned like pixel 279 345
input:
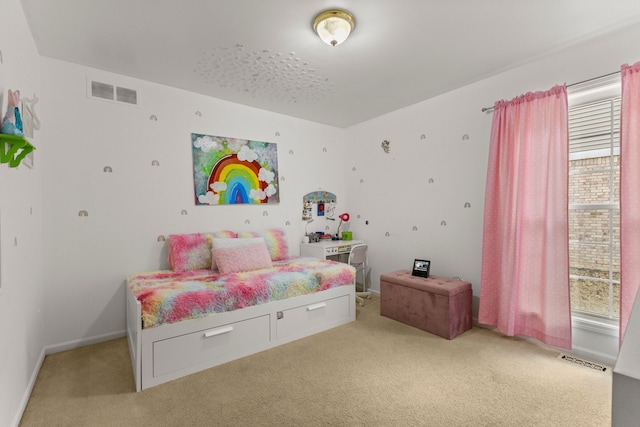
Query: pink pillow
pixel 193 251
pixel 244 258
pixel 276 242
pixel 189 251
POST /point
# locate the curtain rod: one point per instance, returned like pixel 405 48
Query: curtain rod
pixel 490 109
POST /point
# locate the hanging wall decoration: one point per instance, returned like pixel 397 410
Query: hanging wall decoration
pixel 228 171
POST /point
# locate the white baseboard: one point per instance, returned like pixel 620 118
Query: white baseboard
pixel 27 393
pixel 82 342
pixel 594 356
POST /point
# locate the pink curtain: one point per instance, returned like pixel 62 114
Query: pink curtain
pixel 629 191
pixel 524 286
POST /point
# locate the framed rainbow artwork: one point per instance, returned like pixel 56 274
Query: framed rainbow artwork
pixel 231 171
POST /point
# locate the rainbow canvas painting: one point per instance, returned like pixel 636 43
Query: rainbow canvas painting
pixel 229 171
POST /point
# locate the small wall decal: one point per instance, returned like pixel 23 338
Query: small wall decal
pixel 423 136
pixel 277 133
pixel 324 149
pixel 386 146
pixel 361 181
pixel 353 169
pixel 265 213
pixel 247 221
pixel 198 113
pixel 431 181
pixel 161 238
pixel 443 223
pixel 107 169
pixel 153 117
pixel 283 179
pixel 290 151
pixel 358 216
pixel 415 228
pixel 15 241
pixel 83 213
pixel 184 212
pixel 155 163
pixel 465 137
pixel 287 223
pixel 387 234
pixel 467 205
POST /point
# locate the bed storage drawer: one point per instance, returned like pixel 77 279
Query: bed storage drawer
pixel 211 346
pixel 311 318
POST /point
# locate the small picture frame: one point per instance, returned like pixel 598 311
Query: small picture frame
pixel 421 268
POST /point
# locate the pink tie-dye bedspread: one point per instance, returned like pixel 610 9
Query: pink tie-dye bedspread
pixel 168 297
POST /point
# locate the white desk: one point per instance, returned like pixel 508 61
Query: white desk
pixel 336 250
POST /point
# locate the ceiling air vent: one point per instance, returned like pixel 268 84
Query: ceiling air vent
pixel 113 93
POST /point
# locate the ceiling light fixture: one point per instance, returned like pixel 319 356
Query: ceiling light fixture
pixel 333 26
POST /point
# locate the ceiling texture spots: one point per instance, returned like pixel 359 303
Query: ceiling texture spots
pixel 273 76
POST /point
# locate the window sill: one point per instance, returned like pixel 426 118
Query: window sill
pixel 597 325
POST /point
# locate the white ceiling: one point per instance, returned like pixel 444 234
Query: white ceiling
pixel 264 53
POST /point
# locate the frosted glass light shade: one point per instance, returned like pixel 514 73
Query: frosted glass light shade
pixel 333 26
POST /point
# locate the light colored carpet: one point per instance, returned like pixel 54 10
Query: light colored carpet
pixel 374 372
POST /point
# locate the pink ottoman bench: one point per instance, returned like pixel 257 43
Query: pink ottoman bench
pixel 438 305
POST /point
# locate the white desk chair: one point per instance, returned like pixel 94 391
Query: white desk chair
pixel 358 259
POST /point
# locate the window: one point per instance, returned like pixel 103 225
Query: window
pixel 594 197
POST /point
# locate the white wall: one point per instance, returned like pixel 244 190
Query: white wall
pixel 88 258
pixel 392 191
pixel 21 287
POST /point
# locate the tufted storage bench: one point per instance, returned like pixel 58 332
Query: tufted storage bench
pixel 438 305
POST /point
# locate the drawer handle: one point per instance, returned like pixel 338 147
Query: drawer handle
pixel 316 306
pixel 219 331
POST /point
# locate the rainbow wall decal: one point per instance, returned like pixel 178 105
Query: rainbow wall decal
pixel 234 171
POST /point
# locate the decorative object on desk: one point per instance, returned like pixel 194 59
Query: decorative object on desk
pixel 421 268
pixel 347 235
pixel 343 217
pixel 234 171
pixel 306 238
